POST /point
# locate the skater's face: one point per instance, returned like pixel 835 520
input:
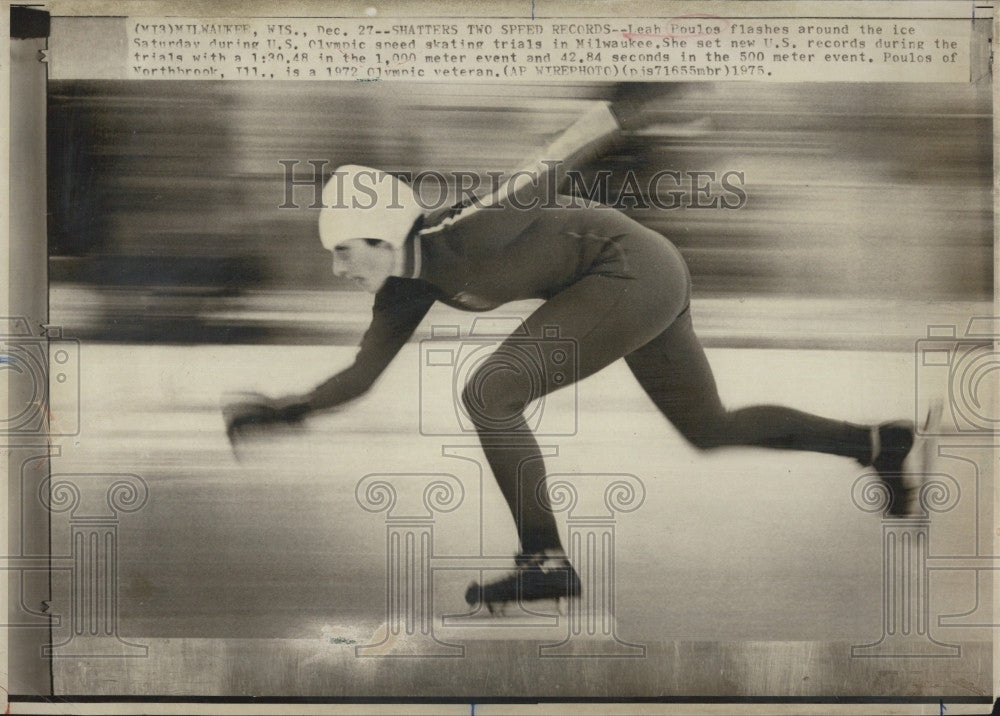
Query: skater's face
pixel 365 261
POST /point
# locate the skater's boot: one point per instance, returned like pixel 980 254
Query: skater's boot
pixel 542 576
pixel 900 460
pixel 893 443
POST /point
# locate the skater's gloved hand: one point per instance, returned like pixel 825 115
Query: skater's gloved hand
pixel 250 412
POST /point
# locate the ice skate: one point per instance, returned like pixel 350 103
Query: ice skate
pixel 536 577
pixel 901 461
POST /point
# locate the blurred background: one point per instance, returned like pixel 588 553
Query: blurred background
pixel 867 205
pixel 868 217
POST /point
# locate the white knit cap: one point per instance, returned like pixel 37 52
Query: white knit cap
pixel 365 203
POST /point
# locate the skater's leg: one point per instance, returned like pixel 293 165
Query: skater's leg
pixel 519 469
pixel 674 371
pixel 600 318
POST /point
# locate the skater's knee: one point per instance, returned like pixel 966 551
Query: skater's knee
pixel 707 433
pixel 495 397
pixel 705 441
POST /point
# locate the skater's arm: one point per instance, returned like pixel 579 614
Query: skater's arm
pixel 507 211
pixel 399 307
pixel 584 140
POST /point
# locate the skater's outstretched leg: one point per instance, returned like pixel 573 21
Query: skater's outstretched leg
pixel 674 371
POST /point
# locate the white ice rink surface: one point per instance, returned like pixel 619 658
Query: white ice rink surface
pixel 741 550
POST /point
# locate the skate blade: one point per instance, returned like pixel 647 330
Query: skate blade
pixel 515 624
pixel 543 607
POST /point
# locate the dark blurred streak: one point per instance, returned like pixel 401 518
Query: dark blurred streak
pixel 164 196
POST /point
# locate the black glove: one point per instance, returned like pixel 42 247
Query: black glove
pixel 251 413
